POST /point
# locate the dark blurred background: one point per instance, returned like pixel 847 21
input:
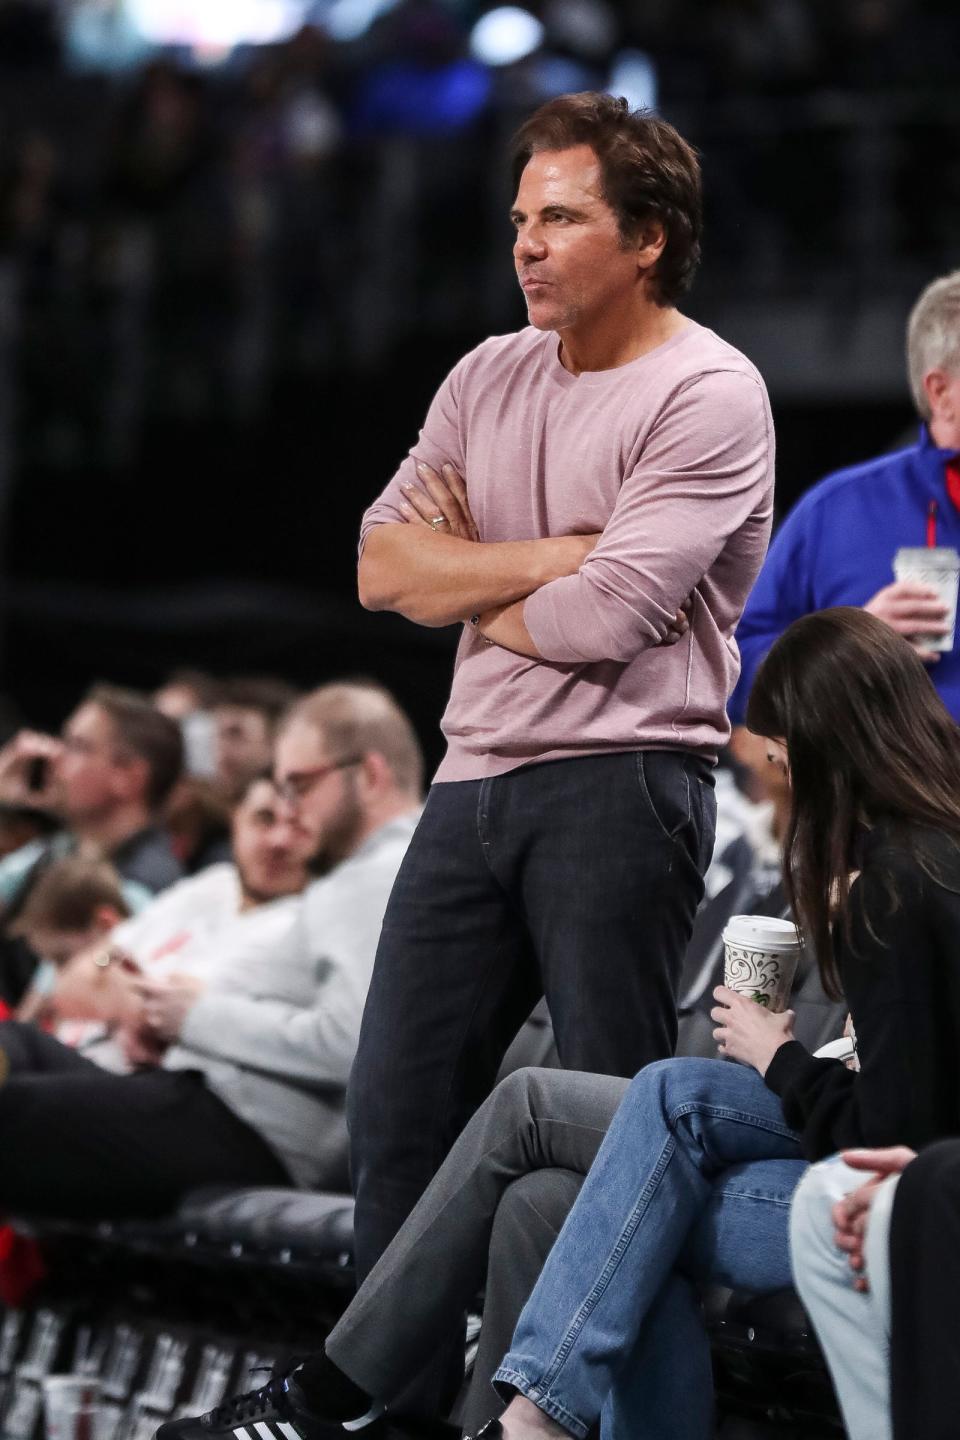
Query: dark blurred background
pixel 241 241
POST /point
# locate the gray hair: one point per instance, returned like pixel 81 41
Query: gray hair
pixel 933 336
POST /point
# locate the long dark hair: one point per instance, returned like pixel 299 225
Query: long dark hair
pixel 868 739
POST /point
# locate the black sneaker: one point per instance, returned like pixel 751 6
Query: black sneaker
pixel 274 1412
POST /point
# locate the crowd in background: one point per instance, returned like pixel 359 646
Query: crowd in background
pixel 194 228
pixel 198 232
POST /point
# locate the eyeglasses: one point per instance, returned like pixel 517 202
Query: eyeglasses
pixel 295 787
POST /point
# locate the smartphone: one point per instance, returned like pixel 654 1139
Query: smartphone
pixel 38 771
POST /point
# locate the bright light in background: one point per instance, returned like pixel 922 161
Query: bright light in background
pixel 505 35
pixel 349 19
pixel 216 24
pixel 586 27
pixel 634 75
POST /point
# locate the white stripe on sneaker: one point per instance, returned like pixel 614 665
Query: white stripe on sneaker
pixel 287 1430
pixel 264 1431
pixel 374 1413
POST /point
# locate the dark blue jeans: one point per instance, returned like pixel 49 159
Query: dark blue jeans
pixel 577 879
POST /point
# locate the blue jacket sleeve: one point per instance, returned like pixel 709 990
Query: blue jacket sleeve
pixel 783 592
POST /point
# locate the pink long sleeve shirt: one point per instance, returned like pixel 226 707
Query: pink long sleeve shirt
pixel 671 457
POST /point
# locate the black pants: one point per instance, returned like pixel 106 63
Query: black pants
pixel 79 1141
pixel 925 1296
pixel 579 879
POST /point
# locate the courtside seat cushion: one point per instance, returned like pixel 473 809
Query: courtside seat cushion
pixel 292 1224
pixel 312 1225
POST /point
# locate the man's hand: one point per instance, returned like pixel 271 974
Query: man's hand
pixel 443 497
pixel 850 1215
pixel 86 988
pixel 16 760
pixel 680 623
pixel 167 1002
pixel 911 609
pixel 748 1032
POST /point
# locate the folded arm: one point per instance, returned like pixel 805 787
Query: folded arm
pixel 435 579
pixel 704 472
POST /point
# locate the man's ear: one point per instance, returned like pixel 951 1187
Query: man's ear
pixel 936 385
pixel 375 773
pixel 651 238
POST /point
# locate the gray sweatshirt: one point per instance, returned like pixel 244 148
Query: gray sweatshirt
pixel 275 1035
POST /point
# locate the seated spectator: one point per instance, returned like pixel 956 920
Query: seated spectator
pixel 836 547
pixel 255 1050
pixel 188 696
pixel 197 819
pixel 246 714
pixel 840 1250
pixel 75 903
pixel 197 814
pixel 73 920
pixel 107 780
pixel 105 783
pixel 693 1163
pixel 876 1268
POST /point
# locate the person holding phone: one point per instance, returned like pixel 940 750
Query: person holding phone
pixel 106 779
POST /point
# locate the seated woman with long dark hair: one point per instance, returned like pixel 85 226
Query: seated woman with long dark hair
pixel 692 1164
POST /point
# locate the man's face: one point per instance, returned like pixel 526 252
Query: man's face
pixel 945 403
pixel 92 771
pixel 242 746
pixel 271 848
pixel 323 798
pixel 570 259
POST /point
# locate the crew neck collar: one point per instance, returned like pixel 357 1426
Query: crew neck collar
pixel 593 379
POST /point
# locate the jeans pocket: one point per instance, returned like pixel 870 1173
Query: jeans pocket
pixel 679 795
pixel 666 788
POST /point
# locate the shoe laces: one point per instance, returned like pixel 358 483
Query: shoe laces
pixel 244 1407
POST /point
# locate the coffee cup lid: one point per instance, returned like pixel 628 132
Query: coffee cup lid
pixel 761 932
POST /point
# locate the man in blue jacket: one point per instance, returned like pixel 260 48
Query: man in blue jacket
pixel 836 547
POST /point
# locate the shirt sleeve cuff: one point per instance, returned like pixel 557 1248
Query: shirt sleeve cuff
pixel 791 1063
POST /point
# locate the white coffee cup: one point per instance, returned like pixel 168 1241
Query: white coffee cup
pixel 70 1406
pixel 939 568
pixel 760 954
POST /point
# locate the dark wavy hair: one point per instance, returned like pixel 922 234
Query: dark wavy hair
pixel 649 172
pixel 868 740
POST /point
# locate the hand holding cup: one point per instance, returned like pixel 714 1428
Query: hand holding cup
pixel 748 1032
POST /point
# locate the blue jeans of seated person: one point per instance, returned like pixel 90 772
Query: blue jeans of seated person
pixel 693 1182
